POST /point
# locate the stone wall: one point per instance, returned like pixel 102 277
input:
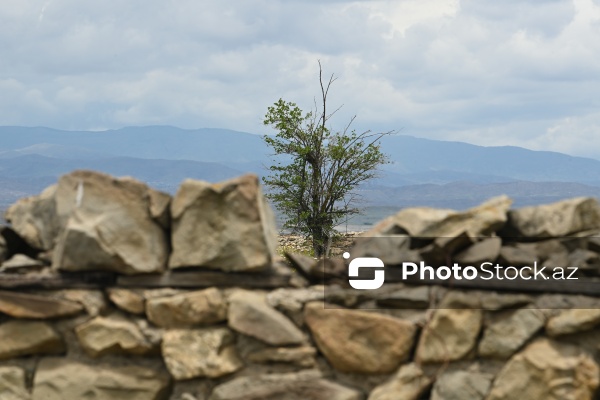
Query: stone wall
pixel 112 290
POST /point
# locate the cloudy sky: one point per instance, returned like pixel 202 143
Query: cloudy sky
pixel 490 72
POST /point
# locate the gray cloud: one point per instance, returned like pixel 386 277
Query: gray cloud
pixel 511 72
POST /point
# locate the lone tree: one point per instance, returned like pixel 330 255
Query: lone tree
pixel 314 185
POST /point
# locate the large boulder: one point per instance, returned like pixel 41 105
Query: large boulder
pixel 59 379
pixel 547 370
pixel 227 226
pixel 307 385
pixel 95 221
pixel 360 341
pixel 479 221
pixel 554 220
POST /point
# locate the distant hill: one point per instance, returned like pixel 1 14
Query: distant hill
pixel 151 142
pixel 411 155
pixel 422 171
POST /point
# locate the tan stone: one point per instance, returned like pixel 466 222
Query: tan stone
pixel 452 331
pixel 305 385
pixel 409 383
pixel 482 220
pixel 93 301
pixel 360 341
pixel 303 356
pixel 558 219
pixel 201 307
pixel 193 353
pixel 112 335
pixel 94 221
pixel 36 220
pixel 12 384
pixel 60 379
pixel 250 314
pixel 23 338
pixel 128 300
pixel 572 321
pixel 20 263
pixel 504 337
pixel 547 370
pixel 24 305
pixel 227 226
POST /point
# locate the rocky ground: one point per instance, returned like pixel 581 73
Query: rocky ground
pixel 301 245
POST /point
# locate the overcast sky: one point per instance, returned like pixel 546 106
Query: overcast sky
pixel 490 72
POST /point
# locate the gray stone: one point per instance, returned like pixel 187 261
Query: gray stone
pixel 486 250
pixel 304 264
pixel 494 301
pixel 547 370
pixel 227 226
pixel 409 383
pixel 307 385
pixel 502 338
pixel 12 384
pixel 391 249
pixel 573 321
pixel 60 379
pixel 558 219
pixel 585 260
pixel 291 301
pixel 410 297
pixel 517 256
pixel 360 341
pixel 24 338
pixel 250 314
pixel 112 335
pixel 193 353
pixel 202 307
pixel 461 385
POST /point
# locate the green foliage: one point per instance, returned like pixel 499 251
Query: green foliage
pixel 315 188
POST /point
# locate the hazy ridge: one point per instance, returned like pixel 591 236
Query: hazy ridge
pixel 422 172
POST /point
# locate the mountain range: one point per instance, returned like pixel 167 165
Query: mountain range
pixel 420 172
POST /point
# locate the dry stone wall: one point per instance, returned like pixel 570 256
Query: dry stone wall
pixel 112 290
